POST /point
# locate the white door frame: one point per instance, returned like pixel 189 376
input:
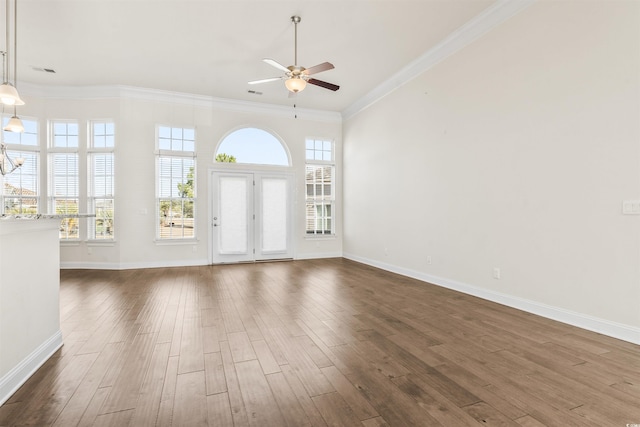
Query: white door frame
pixel 254 234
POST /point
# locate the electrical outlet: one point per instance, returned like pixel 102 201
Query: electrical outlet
pixel 428 259
pixel 496 273
pixel 631 207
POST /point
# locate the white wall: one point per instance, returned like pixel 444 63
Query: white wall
pixel 516 152
pixel 29 299
pixel 136 113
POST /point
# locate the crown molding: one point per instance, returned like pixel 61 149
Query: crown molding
pixel 157 95
pixel 494 15
pixel 277 110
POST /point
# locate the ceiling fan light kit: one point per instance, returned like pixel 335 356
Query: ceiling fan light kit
pixel 295 84
pixel 297 77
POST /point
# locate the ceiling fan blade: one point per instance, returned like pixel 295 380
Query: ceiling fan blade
pixel 325 85
pixel 272 79
pixel 276 64
pixel 319 68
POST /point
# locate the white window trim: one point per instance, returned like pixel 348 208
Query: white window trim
pixel 51 151
pixel 175 153
pixel 91 149
pixel 321 163
pixel 35 149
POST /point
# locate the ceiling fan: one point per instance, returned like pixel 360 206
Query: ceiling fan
pixel 297 77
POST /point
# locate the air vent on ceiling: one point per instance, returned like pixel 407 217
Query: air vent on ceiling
pixel 44 70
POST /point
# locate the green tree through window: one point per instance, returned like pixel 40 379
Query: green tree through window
pixel 225 158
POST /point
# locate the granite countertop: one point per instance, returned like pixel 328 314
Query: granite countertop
pixel 47 216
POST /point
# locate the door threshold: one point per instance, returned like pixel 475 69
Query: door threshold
pixel 256 261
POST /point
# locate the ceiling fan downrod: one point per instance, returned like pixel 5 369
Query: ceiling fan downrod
pixel 296 20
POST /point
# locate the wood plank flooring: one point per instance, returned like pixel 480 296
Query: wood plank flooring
pixel 314 343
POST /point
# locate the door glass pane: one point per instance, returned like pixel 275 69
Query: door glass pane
pixel 274 214
pixel 233 215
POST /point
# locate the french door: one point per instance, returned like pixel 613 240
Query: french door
pixel 251 216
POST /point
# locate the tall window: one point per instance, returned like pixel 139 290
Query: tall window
pixel 320 187
pixel 101 179
pixel 176 190
pixel 64 175
pixel 20 189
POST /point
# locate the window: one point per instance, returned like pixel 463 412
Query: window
pixel 101 180
pixel 176 190
pixel 320 187
pixel 319 150
pixel 252 145
pixel 64 175
pixel 20 189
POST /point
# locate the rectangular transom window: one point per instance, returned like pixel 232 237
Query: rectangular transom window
pixel 318 150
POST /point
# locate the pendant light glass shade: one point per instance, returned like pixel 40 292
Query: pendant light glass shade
pixel 9 95
pixel 295 84
pixel 14 125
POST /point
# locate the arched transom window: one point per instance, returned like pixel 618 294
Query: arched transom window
pixel 252 145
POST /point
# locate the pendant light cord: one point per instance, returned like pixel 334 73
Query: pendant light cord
pixel 15 43
pixel 6 41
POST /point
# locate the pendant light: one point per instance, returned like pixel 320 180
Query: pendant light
pixel 15 124
pixel 8 92
pixel 7 164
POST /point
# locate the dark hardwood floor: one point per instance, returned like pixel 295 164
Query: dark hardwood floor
pixel 315 343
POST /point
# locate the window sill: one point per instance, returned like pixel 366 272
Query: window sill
pixel 320 237
pixel 105 242
pixel 175 242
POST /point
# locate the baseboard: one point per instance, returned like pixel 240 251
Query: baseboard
pixel 602 326
pixel 131 265
pixel 11 382
pixel 319 255
pixel 178 263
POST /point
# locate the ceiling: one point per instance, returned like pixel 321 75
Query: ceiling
pixel 215 47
